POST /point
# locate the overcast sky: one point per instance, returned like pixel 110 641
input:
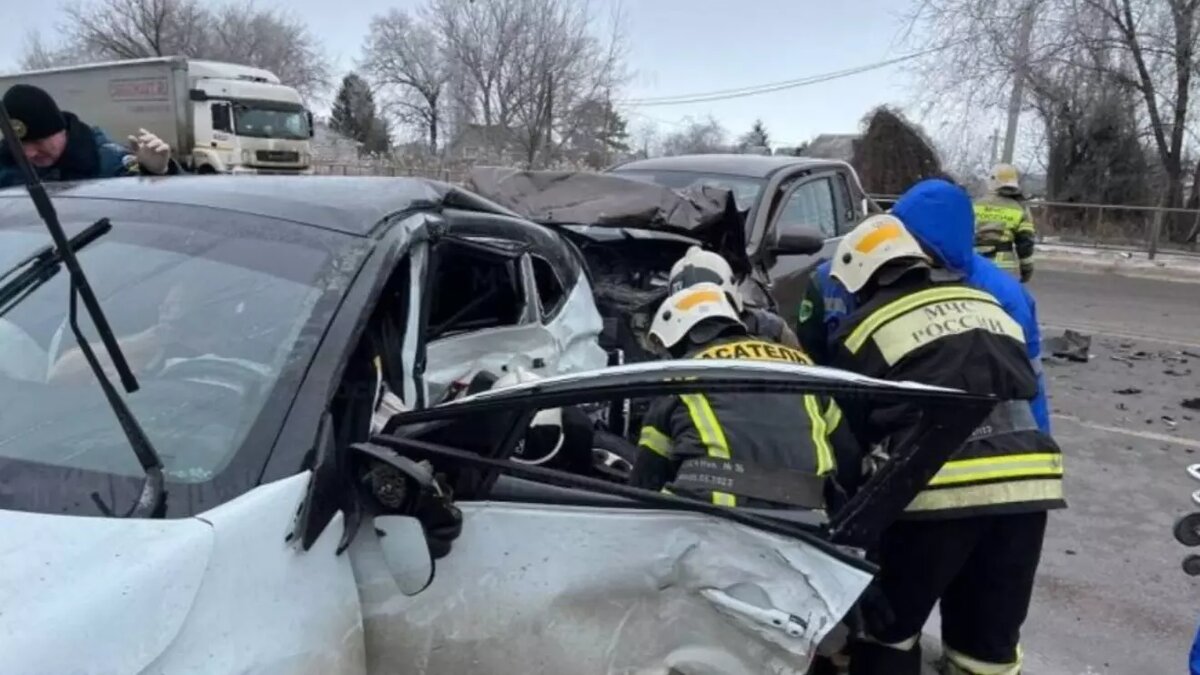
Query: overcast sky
pixel 678 47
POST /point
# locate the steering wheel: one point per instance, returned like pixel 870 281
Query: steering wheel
pixel 241 378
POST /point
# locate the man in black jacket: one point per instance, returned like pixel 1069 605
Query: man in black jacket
pixel 61 147
pixel 972 538
pixel 760 450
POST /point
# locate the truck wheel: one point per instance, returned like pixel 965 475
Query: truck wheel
pixel 612 456
pixel 1191 565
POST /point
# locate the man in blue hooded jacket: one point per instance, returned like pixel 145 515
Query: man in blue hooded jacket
pixel 940 215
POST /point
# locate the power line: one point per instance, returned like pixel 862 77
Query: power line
pixel 768 88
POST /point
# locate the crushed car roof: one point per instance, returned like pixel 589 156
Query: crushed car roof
pixel 349 204
pixel 703 212
pixel 758 166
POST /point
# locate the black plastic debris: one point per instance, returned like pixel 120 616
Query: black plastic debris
pixel 1175 372
pixel 1127 391
pixel 1071 345
pixel 1191 403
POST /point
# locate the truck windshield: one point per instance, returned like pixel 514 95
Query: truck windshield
pixel 260 121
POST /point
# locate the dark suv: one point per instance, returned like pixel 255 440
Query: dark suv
pixel 785 196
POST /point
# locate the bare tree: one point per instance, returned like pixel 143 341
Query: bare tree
pixel 407 57
pixel 270 39
pixel 131 29
pixel 522 66
pixel 697 136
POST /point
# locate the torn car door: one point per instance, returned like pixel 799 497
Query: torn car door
pixel 552 581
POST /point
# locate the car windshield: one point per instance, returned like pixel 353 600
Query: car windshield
pixel 207 323
pixel 260 121
pixel 744 188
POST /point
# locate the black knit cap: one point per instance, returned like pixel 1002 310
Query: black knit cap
pixel 34 113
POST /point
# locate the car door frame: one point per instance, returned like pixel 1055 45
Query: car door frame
pixel 784 285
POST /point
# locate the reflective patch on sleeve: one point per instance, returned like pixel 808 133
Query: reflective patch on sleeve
pixel 655 441
pixel 820 434
pixel 923 325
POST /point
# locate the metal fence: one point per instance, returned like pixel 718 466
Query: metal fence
pixel 1153 229
pixel 448 174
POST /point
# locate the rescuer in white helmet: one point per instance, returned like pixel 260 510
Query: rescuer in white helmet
pixel 972 537
pixel 699 265
pixel 763 450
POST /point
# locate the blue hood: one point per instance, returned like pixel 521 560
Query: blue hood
pixel 940 215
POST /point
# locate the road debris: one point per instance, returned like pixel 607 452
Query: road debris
pixel 1191 403
pixel 1071 345
pixel 1170 421
pixel 1127 391
pixel 1177 373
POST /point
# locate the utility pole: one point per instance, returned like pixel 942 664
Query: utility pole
pixel 1020 72
pixel 995 146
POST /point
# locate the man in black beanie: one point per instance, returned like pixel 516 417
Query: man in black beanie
pixel 61 147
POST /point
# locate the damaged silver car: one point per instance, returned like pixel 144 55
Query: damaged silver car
pixel 194 477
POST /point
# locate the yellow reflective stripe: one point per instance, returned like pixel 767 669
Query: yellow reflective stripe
pixel 711 436
pixel 833 415
pixel 1005 466
pixel 968 665
pixel 655 441
pixel 896 308
pixel 820 434
pixel 990 494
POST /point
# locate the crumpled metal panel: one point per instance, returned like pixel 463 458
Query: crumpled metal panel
pixel 555 589
pixel 568 344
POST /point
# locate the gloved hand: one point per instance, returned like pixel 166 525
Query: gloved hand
pixel 1026 274
pixel 152 152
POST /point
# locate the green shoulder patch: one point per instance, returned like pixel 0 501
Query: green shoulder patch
pixel 806 311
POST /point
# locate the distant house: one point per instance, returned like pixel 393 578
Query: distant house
pixel 330 147
pixel 833 146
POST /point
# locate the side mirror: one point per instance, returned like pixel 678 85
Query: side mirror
pixel 797 240
pixel 312 131
pixel 405 552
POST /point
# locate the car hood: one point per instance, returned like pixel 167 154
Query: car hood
pixel 703 212
pixel 118 590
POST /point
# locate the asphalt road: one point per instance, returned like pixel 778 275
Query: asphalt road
pixel 1111 597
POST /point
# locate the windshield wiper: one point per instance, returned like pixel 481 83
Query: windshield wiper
pixel 151 500
pixel 42 266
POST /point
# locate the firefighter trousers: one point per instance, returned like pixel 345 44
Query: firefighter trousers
pixel 981 568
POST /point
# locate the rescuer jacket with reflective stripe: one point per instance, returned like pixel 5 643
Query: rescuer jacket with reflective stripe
pixel 711 446
pixel 1004 232
pixel 955 336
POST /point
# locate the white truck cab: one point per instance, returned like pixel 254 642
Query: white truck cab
pixel 246 121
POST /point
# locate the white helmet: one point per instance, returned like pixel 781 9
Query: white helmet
pixel 686 308
pixel 697 266
pixel 875 242
pixel 1004 178
pixel 545 422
